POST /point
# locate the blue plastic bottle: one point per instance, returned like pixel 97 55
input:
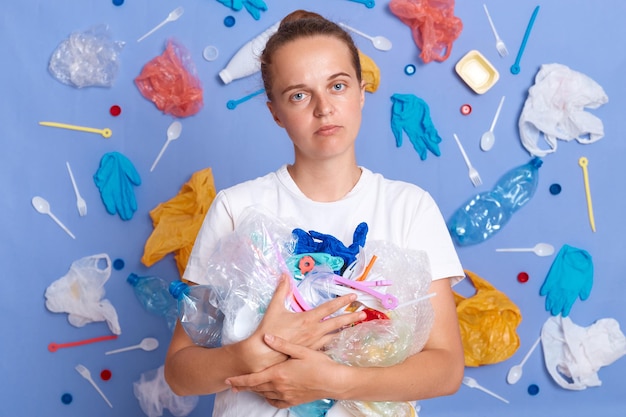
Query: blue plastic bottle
pixel 152 292
pixel 486 213
pixel 198 312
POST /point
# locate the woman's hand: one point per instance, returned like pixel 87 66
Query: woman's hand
pixel 311 329
pixel 304 377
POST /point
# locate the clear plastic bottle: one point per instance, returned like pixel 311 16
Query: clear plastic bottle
pixel 485 214
pixel 152 292
pixel 198 312
pixel 246 62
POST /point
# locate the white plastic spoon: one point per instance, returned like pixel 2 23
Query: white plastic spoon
pixel 174 15
pixel 43 207
pixel 87 375
pixel 540 249
pixel 515 373
pixel 173 133
pixel 488 138
pixel 380 42
pixel 472 383
pixel 148 344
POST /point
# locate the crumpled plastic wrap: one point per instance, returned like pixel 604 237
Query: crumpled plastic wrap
pixel 80 293
pixel 433 25
pixel 555 107
pixel 87 59
pixel 155 395
pixel 176 222
pixel 244 270
pixel 170 81
pixel 488 322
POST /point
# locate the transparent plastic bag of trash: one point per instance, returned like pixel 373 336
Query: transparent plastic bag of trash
pixel 87 59
pixel 155 395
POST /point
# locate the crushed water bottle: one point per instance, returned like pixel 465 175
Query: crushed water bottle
pixel 486 213
pixel 198 312
pixel 152 292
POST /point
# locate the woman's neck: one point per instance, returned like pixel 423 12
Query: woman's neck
pixel 325 182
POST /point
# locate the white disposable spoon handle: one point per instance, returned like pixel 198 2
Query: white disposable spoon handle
pixel 532 349
pixel 493 27
pixel 495 118
pixel 156 161
pixel 53 217
pixel 493 394
pixel 358 32
pixel 110 352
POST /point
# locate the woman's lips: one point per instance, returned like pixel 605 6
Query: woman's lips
pixel 327 130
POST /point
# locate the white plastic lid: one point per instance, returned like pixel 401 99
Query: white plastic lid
pixel 225 76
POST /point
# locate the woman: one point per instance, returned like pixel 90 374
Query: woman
pixel 312 78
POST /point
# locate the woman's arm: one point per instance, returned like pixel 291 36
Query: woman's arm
pixel 308 375
pixel 194 370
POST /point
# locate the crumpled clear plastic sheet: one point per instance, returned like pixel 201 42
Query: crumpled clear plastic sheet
pixel 433 25
pixel 176 222
pixel 170 81
pixel 87 59
pixel 247 263
pixel 488 322
pixel 80 293
pixel 574 354
pixel 155 395
pixel 555 107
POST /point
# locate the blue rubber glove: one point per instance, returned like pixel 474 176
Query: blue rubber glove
pixel 411 114
pixel 570 277
pixel 115 179
pixel 254 7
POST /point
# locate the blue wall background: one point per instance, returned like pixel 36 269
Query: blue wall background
pixel 244 143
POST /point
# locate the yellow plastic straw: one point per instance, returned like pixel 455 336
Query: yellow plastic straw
pixel 106 132
pixel 583 162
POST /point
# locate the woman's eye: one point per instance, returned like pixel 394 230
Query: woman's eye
pixel 339 86
pixel 297 96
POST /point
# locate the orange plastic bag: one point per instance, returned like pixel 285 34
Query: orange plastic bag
pixel 177 221
pixel 433 25
pixel 170 82
pixel 369 72
pixel 488 322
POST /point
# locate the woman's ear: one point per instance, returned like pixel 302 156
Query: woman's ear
pixel 273 112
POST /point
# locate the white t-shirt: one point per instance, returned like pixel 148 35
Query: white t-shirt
pixel 395 211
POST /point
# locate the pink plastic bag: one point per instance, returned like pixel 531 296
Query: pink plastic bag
pixel 170 82
pixel 433 25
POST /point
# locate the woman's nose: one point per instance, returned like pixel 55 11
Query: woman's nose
pixel 323 107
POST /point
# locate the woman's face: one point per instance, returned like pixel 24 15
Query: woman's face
pixel 317 97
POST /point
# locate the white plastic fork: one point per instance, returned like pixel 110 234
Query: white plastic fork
pixel 84 372
pixel 473 173
pixel 472 383
pixel 500 46
pixel 81 204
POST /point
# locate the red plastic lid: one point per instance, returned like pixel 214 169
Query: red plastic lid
pixel 466 109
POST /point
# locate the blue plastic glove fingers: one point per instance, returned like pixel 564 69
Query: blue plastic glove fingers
pixel 255 7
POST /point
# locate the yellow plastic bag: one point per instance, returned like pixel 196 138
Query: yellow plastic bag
pixel 369 72
pixel 177 221
pixel 488 322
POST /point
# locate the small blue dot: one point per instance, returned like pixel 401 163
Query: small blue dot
pixel 118 2
pixel 409 69
pixel 533 389
pixel 229 21
pixel 118 264
pixel 555 189
pixel 66 398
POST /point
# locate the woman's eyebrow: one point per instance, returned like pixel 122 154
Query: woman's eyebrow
pixel 299 86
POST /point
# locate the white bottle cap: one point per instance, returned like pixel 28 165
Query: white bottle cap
pixel 225 76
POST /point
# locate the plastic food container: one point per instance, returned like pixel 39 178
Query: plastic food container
pixel 477 72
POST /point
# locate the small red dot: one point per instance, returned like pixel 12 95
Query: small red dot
pixel 466 109
pixel 115 110
pixel 105 374
pixel 522 277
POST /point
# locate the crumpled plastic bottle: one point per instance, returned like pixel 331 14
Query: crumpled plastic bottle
pixel 485 214
pixel 153 294
pixel 198 312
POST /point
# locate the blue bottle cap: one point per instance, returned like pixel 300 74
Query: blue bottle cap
pixel 409 69
pixel 66 398
pixel 132 279
pixel 555 189
pixel 177 288
pixel 118 2
pixel 118 264
pixel 533 389
pixel 229 21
